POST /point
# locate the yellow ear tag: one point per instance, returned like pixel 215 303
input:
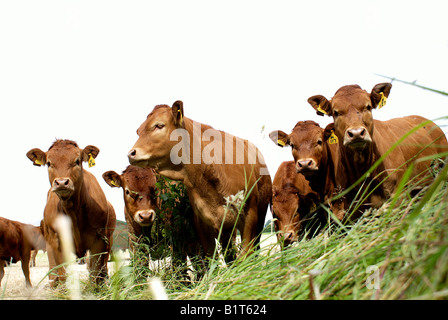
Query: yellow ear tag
pixel 281 142
pixel 333 138
pixel 91 161
pixel 180 113
pixel 38 162
pixel 320 110
pixel 382 102
pixel 112 182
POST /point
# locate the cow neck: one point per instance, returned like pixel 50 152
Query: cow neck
pixel 324 180
pixel 357 163
pixel 188 174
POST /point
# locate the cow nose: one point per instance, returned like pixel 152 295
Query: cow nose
pixel 61 182
pixel 132 154
pixel 305 165
pixel 288 238
pixel 356 133
pixel 146 217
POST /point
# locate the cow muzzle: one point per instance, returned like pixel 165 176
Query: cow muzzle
pixel 289 237
pixel 145 218
pixel 306 166
pixel 357 138
pixel 63 187
pixel 137 158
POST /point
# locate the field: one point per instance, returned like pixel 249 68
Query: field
pixel 399 251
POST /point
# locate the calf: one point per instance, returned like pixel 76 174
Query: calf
pixel 216 185
pixel 76 193
pixel 363 140
pixel 16 242
pixel 315 157
pixel 293 203
pixel 140 201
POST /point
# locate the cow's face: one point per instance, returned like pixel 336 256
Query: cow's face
pixel 153 147
pixel 287 221
pixel 139 193
pixel 307 143
pixel 64 160
pixel 351 108
pixel 291 210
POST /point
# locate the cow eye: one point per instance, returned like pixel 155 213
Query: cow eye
pixel 159 125
pixel 48 164
pixel 319 142
pixel 369 108
pixel 77 162
pixel 292 145
pixel 335 113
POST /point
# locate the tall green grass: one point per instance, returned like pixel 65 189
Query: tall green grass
pixel 399 251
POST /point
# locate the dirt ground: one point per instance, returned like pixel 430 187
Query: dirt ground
pixel 13 284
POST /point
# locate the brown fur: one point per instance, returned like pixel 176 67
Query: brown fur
pixel 363 140
pixel 75 193
pixel 17 240
pixel 292 202
pixel 207 184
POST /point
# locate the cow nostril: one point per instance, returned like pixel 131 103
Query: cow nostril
pixel 362 132
pixel 132 153
pixel 350 134
pixel 310 163
pixel 66 182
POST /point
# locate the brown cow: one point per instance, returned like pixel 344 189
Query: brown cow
pixel 142 203
pixel 76 193
pixel 293 204
pixel 17 239
pixel 315 155
pixel 139 192
pixel 363 140
pixel 216 185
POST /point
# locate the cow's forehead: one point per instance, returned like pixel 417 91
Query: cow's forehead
pixel 307 134
pixel 139 179
pixel 352 97
pixel 160 112
pixel 64 152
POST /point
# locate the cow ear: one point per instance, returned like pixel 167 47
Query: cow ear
pixel 178 113
pixel 112 178
pixel 328 131
pixel 279 138
pixel 89 154
pixel 379 94
pixel 321 105
pixel 37 156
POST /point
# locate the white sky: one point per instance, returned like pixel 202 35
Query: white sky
pixel 91 71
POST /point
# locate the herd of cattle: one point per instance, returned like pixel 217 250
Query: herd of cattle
pixel 230 196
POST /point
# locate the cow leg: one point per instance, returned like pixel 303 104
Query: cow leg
pixel 99 255
pixel 250 236
pixel 2 270
pixel 54 260
pixel 26 268
pixel 228 246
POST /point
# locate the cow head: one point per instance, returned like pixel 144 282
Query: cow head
pixel 290 210
pixel 351 108
pixel 139 193
pixel 307 142
pixel 154 145
pixel 64 160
